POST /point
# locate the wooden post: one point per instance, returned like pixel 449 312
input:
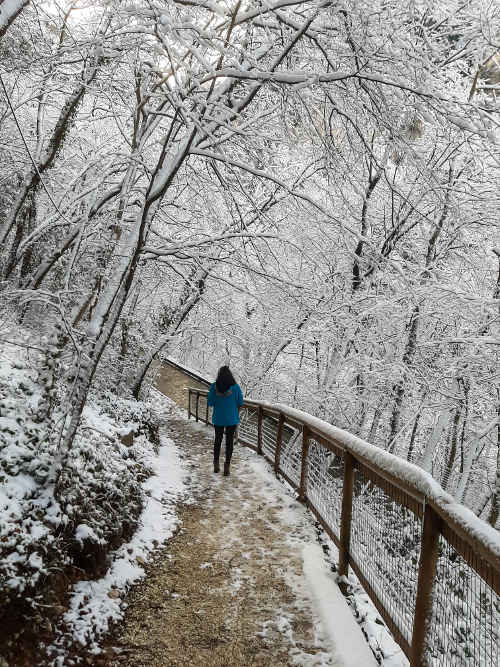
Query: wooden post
pixel 189 402
pixel 197 404
pixel 303 469
pixel 206 413
pixel 426 578
pixel 345 519
pixel 259 430
pixel 279 437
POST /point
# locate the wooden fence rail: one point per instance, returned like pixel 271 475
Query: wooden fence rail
pixel 430 566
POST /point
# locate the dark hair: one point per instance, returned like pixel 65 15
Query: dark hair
pixel 224 380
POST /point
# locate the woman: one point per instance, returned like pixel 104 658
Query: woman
pixel 226 398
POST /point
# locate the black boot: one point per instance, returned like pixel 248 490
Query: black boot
pixel 226 469
pixel 216 466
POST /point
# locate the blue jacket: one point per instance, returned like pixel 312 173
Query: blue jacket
pixel 225 405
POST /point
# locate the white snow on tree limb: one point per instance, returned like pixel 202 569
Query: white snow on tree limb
pixel 9 9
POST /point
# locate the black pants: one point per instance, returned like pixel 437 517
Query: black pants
pixel 219 432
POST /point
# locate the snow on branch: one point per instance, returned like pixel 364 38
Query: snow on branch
pixel 302 79
pixel 9 9
pixel 174 250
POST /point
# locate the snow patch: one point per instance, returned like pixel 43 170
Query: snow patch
pixel 348 646
pixel 95 605
pixel 84 532
pixel 335 618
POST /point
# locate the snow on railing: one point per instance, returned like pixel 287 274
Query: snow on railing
pixel 430 566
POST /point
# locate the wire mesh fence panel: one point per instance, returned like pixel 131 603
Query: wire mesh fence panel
pixel 385 545
pixel 269 435
pixel 248 428
pixel 291 455
pixel 204 412
pixel 325 483
pixel 466 612
pixel 385 541
pixel 192 403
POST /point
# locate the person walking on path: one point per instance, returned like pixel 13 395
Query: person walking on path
pixel 226 398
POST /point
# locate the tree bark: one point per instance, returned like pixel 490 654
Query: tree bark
pixel 399 388
pixel 495 499
pixel 446 478
pixel 358 252
pixel 413 437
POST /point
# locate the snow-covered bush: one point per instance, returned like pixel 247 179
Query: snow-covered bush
pixel 99 494
pixel 137 415
pixel 29 516
pixel 101 484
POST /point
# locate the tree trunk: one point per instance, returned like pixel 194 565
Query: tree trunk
pixel 376 420
pixel 413 437
pixel 495 499
pixel 358 252
pixel 21 226
pixel 26 264
pixel 399 388
pixel 301 361
pixel 446 478
pixel 113 297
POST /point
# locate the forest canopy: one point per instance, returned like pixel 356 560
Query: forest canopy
pixel 305 190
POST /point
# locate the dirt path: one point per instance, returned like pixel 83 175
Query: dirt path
pixel 226 590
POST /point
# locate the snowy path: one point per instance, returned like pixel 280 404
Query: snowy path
pixel 244 582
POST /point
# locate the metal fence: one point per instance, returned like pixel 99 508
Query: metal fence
pixel 435 582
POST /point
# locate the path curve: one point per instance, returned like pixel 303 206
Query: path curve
pixel 230 589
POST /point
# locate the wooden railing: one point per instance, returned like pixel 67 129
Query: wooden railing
pixel 430 566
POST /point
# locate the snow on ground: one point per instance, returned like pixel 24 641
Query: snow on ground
pixel 40 530
pixel 336 615
pixel 335 623
pixel 347 642
pixel 340 625
pixel 95 605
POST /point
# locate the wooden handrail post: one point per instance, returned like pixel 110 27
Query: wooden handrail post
pixel 197 404
pixel 303 468
pixel 345 520
pixel 279 437
pixel 189 402
pixel 206 413
pixel 259 430
pixel 426 578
